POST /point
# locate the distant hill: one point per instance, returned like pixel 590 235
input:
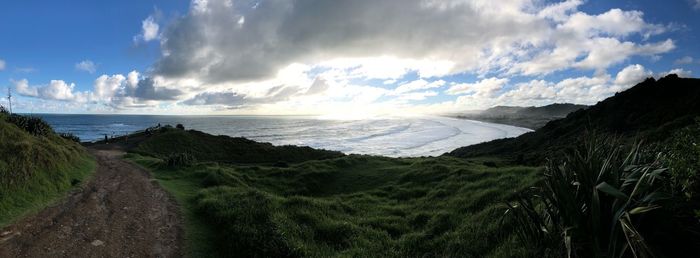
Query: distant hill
pixel 651 110
pixel 529 117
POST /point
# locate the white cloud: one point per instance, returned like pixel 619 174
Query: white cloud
pixel 678 71
pixel 58 90
pixel 107 86
pixel 614 22
pixel 419 84
pixel 22 88
pixel 2 64
pixel 631 75
pixel 149 30
pixel 484 88
pixel 696 4
pixel 132 79
pixel 417 95
pixel 55 90
pixel 560 11
pixel 684 60
pixel 87 66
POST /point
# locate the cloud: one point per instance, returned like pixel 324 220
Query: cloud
pixel 2 64
pixel 684 60
pixel 22 88
pixel 87 66
pixel 419 84
pixel 146 89
pixel 417 95
pixel 212 45
pixel 696 4
pixel 319 86
pixel 632 75
pixel 484 88
pixel 217 98
pixel 149 30
pixel 55 90
pixel 132 79
pixel 678 71
pixel 105 87
pixel 311 55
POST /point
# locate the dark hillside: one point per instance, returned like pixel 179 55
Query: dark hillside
pixel 205 147
pixel 651 110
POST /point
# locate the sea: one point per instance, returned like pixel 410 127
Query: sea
pixel 387 136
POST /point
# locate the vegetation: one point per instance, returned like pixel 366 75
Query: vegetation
pixel 206 147
pixel 346 206
pixel 528 117
pixel 177 160
pixel 36 165
pixel 652 110
pixel 70 136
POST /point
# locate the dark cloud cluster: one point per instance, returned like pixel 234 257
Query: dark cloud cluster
pixel 222 41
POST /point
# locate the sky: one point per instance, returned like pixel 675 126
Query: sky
pixel 335 58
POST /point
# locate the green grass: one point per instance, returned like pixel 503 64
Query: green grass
pixel 45 188
pixel 36 169
pixel 352 206
pixel 205 147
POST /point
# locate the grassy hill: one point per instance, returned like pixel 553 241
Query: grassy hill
pixel 36 165
pixel 651 110
pixel 346 206
pixel 205 147
pixel 529 117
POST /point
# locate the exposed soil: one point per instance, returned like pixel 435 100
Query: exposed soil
pixel 121 212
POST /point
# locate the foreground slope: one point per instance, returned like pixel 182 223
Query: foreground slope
pixel 36 165
pixel 347 206
pixel 649 110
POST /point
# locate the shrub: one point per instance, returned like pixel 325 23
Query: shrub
pixel 33 125
pixel 70 136
pixel 684 161
pixel 180 126
pixel 177 160
pixel 165 128
pixel 592 204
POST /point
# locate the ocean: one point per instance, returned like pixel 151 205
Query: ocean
pixel 391 136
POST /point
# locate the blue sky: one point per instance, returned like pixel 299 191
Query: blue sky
pixel 345 58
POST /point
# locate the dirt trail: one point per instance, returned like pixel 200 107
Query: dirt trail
pixel 121 212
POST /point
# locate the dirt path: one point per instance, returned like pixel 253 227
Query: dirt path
pixel 120 213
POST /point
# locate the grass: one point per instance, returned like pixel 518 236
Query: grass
pixel 168 141
pixel 348 206
pixel 36 166
pixel 45 188
pixel 600 200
